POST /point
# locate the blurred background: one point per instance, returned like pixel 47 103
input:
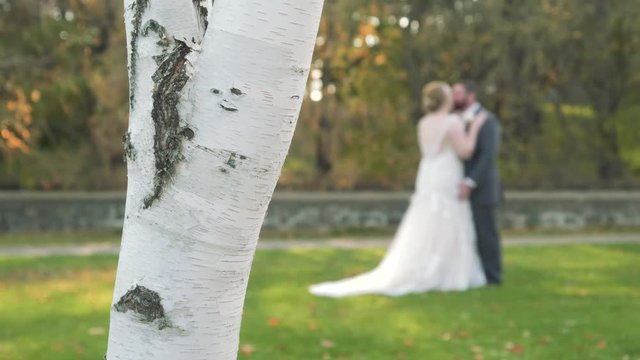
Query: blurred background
pixel 563 76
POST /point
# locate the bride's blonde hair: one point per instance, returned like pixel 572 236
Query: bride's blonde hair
pixel 434 95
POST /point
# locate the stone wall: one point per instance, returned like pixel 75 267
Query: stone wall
pixel 29 212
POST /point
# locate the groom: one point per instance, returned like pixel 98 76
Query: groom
pixel 482 181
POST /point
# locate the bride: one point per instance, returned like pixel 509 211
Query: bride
pixel 435 245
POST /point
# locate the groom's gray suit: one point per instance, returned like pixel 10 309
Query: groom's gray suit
pixel 482 169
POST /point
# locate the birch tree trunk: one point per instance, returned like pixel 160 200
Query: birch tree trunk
pixel 216 89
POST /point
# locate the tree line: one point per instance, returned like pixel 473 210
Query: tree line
pixel 561 75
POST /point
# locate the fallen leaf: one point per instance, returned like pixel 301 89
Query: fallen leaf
pixel 80 350
pixel 602 345
pixel 247 349
pixel 313 325
pixel 516 349
pixel 274 321
pixel 96 331
pixel 408 342
pixel 447 336
pixel 545 340
pixel 476 349
pixel 57 346
pixel 327 344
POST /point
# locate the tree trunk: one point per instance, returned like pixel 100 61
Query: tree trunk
pixel 215 94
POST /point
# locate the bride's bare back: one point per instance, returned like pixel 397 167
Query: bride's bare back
pixel 437 131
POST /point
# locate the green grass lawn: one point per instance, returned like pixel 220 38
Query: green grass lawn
pixel 98 236
pixel 565 302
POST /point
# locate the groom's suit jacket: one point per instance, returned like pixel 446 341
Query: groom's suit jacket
pixel 482 168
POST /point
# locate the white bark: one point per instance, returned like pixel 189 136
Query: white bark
pixel 187 248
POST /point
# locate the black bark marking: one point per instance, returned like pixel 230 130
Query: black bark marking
pixel 145 303
pixel 216 91
pixel 236 91
pixel 228 105
pixel 170 78
pixel 187 133
pixel 295 97
pixel 129 150
pixel 203 16
pixel 298 70
pixel 232 160
pixel 138 7
pixel 153 26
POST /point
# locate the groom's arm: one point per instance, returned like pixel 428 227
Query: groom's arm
pixel 487 147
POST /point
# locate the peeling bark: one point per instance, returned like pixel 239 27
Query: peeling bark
pixel 170 78
pixel 202 12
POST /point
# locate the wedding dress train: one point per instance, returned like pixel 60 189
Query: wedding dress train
pixel 434 248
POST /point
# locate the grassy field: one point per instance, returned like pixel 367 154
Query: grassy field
pixel 565 302
pixel 85 237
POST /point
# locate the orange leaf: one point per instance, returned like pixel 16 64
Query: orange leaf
pixel 517 349
pixel 35 95
pixel 274 321
pixel 602 345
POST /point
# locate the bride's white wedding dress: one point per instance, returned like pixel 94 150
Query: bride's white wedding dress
pixel 435 245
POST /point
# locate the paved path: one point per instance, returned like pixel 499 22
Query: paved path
pixel 338 243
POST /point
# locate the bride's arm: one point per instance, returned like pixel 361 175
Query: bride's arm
pixel 465 142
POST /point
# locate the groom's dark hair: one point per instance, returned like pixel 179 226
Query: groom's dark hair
pixel 470 85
